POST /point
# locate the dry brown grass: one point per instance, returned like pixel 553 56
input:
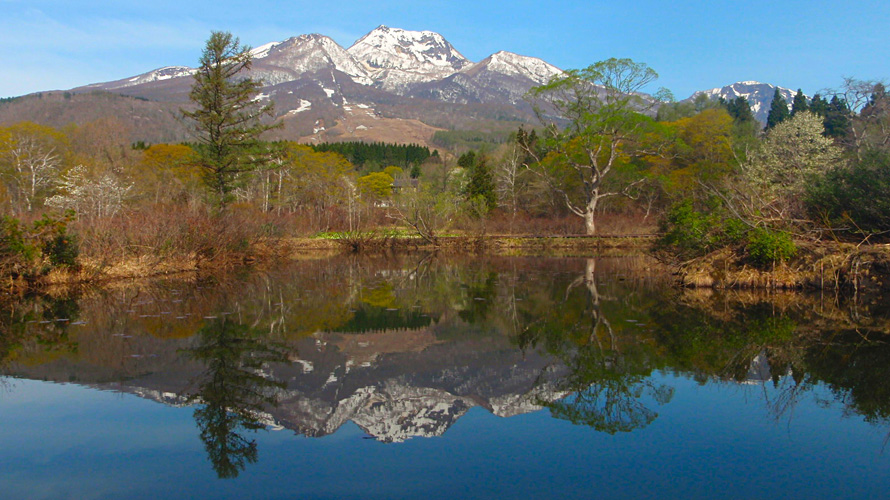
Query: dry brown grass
pixel 820 266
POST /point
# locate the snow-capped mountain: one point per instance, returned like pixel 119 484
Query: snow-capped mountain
pixel 759 96
pixel 510 64
pixel 390 85
pixel 387 85
pixel 398 58
pixel 501 77
pixel 286 61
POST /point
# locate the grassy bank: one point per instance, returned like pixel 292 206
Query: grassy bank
pixel 118 253
pixel 188 242
pixel 826 266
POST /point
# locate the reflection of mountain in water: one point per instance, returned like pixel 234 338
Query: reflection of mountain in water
pixel 409 394
pixel 403 395
pixel 394 385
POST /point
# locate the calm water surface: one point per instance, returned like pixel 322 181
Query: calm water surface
pixel 431 377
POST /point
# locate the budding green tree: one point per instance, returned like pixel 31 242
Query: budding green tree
pixel 607 122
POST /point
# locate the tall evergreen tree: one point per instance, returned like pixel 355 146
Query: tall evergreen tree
pixel 227 118
pixel 799 103
pixel 838 119
pixel 481 183
pixel 778 110
pixel 467 160
pixel 740 111
pixel 745 126
pixel 819 106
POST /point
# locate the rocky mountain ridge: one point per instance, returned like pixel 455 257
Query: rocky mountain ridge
pixel 392 84
pixel 392 396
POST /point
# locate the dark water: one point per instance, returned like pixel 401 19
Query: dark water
pixel 422 377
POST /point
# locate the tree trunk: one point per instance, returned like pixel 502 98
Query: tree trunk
pixel 590 215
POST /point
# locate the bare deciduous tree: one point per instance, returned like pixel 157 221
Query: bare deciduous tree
pixel 30 161
pixel 91 196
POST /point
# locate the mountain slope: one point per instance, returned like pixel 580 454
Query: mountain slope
pixel 289 60
pixel 759 96
pixel 135 118
pixel 503 77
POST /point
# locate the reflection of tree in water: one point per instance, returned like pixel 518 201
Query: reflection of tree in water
pixel 788 342
pixel 609 377
pixel 856 366
pixel 234 391
pixel 793 349
pixel 41 320
pixel 479 298
pixel 608 395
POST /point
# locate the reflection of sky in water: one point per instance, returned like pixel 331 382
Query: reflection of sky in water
pixel 712 441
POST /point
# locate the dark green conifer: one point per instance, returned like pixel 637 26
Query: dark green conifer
pixel 819 105
pixel 778 110
pixel 838 119
pixel 481 183
pixel 799 103
pixel 740 111
pixel 227 119
pixel 467 160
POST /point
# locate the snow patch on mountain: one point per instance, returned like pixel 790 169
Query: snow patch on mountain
pixel 166 397
pixel 279 62
pixel 394 412
pixel 509 405
pixel 304 106
pixel 263 50
pixel 157 75
pixel 397 58
pixel 511 64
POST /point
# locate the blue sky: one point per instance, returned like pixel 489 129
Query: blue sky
pixel 693 45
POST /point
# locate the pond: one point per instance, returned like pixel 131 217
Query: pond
pixel 423 376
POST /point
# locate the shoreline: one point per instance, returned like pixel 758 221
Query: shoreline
pixel 271 251
pixel 817 266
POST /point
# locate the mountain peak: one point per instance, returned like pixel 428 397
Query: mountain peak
pixel 400 57
pixel 280 62
pixel 510 63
